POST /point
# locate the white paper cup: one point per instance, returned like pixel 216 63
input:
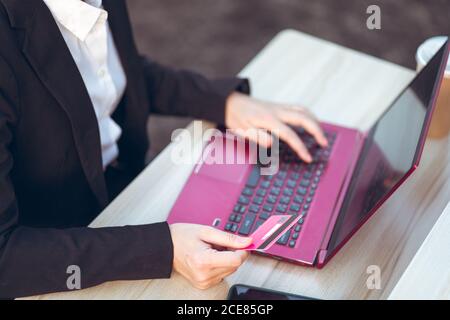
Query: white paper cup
pixel 440 124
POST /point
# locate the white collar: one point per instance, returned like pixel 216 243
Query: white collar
pixel 79 17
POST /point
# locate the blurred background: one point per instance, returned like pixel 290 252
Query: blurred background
pixel 219 37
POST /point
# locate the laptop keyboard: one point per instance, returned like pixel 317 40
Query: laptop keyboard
pixel 290 191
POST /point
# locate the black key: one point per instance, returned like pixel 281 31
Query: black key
pixel 319 173
pixel 309 199
pixel 244 200
pixel 292 243
pixel 264 216
pixel 316 179
pixel 242 211
pixel 300 131
pixel 261 192
pixel 312 193
pixel 234 228
pixel 257 225
pixel 278 183
pixel 238 219
pixel 268 208
pixel 288 192
pixel 297 228
pixel 304 213
pixel 317 156
pixel 253 178
pixel 300 221
pixel 302 191
pixel 265 184
pixel 233 217
pixel 271 199
pixel 298 199
pixel 284 238
pixel 247 192
pixel 295 235
pixel 306 206
pixel 307 175
pixel 253 208
pixel 282 174
pixel 268 178
pixel 247 224
pixel 228 226
pixel 281 208
pixel 275 191
pixel 314 186
pixel 295 207
pixel 291 183
pixel 305 183
pixel 295 176
pixel 237 208
pixel 285 200
pixel 258 200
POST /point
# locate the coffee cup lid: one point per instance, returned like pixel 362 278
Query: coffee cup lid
pixel 427 50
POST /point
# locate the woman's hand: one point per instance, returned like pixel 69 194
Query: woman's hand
pixel 243 113
pixel 196 259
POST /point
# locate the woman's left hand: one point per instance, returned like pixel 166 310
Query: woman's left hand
pixel 244 113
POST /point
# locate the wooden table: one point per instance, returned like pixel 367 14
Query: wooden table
pixel 340 86
pixel 428 274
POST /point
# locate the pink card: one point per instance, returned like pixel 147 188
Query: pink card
pixel 270 231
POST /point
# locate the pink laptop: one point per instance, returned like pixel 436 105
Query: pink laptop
pixel 334 195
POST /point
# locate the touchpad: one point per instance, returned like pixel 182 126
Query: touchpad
pixel 225 159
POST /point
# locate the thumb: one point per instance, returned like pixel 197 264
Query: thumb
pixel 224 239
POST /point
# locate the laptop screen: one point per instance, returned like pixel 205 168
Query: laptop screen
pixel 391 150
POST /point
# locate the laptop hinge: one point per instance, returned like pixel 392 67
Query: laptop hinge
pixel 321 257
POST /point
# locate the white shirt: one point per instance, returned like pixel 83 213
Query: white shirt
pixel 86 31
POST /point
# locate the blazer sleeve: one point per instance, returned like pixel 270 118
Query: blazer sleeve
pixel 186 93
pixel 37 260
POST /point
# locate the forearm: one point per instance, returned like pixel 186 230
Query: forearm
pixel 186 93
pixel 35 261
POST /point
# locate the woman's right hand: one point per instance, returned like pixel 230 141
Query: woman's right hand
pixel 197 260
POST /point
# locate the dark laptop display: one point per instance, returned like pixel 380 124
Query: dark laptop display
pixel 391 150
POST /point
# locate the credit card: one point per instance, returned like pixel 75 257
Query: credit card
pixel 270 231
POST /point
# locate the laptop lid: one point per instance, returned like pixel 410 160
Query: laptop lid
pixel 391 152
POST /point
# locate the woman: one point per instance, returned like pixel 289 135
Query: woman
pixel 74 100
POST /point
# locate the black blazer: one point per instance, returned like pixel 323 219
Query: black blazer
pixel 52 182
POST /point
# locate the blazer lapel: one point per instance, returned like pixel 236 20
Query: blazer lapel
pixel 48 54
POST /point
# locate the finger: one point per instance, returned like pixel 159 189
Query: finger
pixel 306 121
pixel 290 137
pixel 259 136
pixel 224 239
pixel 224 259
